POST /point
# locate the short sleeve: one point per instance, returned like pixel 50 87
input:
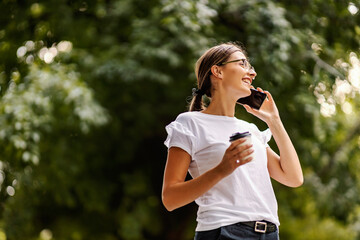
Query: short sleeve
pixel 266 136
pixel 179 136
pixel 263 136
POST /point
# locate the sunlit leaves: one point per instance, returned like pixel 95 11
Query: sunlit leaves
pixel 29 107
pixel 87 87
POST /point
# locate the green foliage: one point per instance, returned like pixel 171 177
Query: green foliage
pixel 88 86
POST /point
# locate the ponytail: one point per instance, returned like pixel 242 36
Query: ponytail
pixel 196 103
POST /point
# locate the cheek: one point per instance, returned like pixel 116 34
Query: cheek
pixel 235 73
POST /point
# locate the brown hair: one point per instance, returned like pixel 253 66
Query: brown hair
pixel 211 57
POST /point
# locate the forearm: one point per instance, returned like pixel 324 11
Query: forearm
pixel 179 194
pixel 289 160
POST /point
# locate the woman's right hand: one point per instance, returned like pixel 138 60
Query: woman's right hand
pixel 235 155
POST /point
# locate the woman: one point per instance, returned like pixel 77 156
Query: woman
pixel 233 191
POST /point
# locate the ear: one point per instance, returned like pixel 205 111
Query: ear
pixel 216 71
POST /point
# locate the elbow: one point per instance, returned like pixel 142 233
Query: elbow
pixel 299 181
pixel 167 204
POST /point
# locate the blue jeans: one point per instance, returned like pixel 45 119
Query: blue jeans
pixel 235 231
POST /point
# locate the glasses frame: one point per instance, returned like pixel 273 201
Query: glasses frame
pixel 245 62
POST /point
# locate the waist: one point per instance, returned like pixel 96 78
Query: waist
pixel 260 226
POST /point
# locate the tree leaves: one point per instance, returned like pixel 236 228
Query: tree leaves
pixel 88 86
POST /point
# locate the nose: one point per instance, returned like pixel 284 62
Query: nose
pixel 252 73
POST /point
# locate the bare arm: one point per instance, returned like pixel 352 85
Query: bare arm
pixel 177 192
pixel 285 168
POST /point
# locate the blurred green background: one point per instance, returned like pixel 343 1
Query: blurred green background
pixel 88 86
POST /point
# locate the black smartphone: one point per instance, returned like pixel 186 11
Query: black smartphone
pixel 255 100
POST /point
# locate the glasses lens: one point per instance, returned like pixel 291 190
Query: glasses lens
pixel 243 62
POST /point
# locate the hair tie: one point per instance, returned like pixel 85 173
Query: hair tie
pixel 196 92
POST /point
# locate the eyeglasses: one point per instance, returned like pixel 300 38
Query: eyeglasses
pixel 243 63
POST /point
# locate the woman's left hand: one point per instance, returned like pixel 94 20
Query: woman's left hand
pixel 268 110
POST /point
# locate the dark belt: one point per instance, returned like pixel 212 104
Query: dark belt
pixel 261 226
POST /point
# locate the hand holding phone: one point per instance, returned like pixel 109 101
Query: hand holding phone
pixel 255 100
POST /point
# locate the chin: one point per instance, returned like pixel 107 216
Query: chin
pixel 247 93
pixel 244 94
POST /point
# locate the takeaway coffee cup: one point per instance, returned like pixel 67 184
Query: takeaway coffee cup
pixel 246 135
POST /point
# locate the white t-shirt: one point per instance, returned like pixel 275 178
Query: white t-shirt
pixel 244 195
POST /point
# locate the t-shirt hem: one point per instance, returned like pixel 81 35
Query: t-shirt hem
pixel 214 226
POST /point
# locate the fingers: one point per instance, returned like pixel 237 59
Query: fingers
pixel 235 143
pixel 241 154
pixel 268 94
pixel 237 154
pixel 249 109
pixel 242 151
pixel 239 150
pixel 244 161
pixel 261 90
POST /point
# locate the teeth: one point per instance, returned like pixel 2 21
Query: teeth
pixel 247 81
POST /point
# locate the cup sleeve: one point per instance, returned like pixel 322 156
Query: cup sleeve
pixel 179 136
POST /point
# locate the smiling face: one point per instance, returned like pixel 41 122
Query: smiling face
pixel 237 76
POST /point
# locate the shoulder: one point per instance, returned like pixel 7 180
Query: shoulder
pixel 250 126
pixel 186 117
pixel 191 120
pixel 263 136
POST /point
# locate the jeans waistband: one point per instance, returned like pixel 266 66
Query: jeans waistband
pixel 261 226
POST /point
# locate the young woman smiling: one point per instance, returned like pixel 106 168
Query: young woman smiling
pixel 233 191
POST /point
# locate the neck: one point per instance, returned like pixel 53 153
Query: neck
pixel 221 104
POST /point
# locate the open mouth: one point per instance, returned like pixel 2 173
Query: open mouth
pixel 247 81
